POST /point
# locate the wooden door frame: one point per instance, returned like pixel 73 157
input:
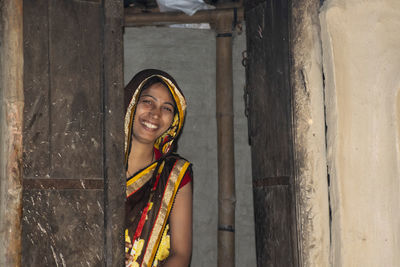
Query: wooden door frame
pixel 294 154
pixel 12 94
pixel 12 102
pixel 311 180
pixel 269 95
pixel 114 174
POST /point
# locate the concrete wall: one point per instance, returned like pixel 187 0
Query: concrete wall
pixel 361 53
pixel 189 56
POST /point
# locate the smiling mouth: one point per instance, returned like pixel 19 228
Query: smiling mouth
pixel 150 125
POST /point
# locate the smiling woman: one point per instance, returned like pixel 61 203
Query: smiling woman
pixel 154 112
pixel 159 182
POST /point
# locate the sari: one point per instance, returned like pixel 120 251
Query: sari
pixel 151 191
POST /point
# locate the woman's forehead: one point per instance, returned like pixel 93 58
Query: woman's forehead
pixel 158 90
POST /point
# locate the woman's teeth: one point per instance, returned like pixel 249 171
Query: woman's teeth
pixel 149 125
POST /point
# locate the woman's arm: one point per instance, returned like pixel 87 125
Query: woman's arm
pixel 180 221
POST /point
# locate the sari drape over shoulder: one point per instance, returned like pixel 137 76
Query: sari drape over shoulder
pixel 151 191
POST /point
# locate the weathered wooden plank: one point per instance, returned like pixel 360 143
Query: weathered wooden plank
pixel 11 120
pixel 270 131
pixel 63 228
pixel 310 155
pixel 57 184
pixel 36 153
pixel 113 123
pixel 271 181
pixel 84 117
pixel 75 55
pixel 269 89
pixel 249 4
pixel 274 234
pixel 64 220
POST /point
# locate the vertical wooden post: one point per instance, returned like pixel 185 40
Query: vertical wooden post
pixel 114 180
pixel 226 163
pixel 270 104
pixel 11 86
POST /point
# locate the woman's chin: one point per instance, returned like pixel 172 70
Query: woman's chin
pixel 145 139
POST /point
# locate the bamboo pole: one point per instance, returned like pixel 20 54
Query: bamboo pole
pixel 226 163
pixel 11 116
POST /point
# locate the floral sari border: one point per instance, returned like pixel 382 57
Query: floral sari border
pixel 168 198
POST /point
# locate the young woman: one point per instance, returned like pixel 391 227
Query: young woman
pixel 159 181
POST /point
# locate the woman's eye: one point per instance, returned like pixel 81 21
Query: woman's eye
pixel 146 101
pixel 168 109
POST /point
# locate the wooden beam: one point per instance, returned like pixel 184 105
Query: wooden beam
pixel 11 116
pixel 203 16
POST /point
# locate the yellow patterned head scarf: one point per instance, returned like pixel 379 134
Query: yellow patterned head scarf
pixel 132 93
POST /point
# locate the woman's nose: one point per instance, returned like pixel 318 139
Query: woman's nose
pixel 155 112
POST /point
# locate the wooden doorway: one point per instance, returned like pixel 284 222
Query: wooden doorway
pixel 73 184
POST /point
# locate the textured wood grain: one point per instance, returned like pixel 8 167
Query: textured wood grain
pixel 75 54
pixel 11 120
pixel 270 131
pixel 36 153
pixel 273 230
pixel 73 201
pixel 113 134
pixel 270 93
pixel 63 228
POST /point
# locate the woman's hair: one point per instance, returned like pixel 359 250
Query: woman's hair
pixel 152 81
pixel 134 83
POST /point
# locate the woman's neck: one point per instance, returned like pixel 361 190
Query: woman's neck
pixel 140 156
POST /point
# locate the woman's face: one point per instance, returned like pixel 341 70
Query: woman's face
pixel 154 114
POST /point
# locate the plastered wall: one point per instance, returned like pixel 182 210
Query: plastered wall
pixel 361 55
pixel 189 56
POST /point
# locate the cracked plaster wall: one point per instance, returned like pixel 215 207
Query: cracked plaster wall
pixel 361 56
